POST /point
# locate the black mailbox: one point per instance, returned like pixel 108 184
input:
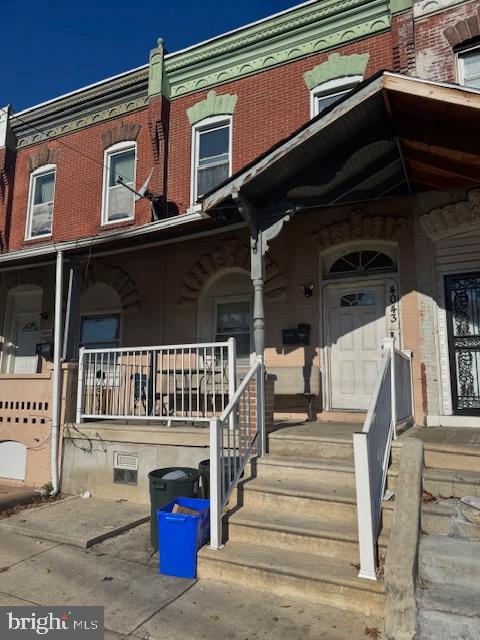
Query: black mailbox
pixel 44 350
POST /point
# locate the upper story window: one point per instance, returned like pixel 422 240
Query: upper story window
pixel 118 201
pixel 40 202
pixel 469 67
pixel 329 92
pixel 211 154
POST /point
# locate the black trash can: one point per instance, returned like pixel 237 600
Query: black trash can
pixel 164 490
pixel 204 468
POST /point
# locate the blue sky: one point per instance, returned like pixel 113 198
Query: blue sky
pixel 50 47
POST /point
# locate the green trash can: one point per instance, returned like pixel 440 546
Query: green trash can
pixel 165 489
pixel 204 468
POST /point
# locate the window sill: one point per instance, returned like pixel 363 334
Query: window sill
pixel 117 224
pixel 194 208
pixel 38 239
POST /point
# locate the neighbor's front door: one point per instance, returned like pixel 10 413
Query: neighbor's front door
pixel 463 307
pixel 26 338
pixel 357 327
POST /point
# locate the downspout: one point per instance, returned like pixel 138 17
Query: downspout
pixel 57 374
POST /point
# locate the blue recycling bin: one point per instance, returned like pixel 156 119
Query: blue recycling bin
pixel 180 536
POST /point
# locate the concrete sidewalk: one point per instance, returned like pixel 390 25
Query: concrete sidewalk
pixel 121 574
pixel 77 521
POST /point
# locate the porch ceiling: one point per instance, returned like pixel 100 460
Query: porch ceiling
pixel 393 135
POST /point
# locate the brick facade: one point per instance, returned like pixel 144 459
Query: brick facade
pixel 435 59
pixel 155 283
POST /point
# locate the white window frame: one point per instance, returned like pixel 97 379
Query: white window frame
pixel 233 300
pixel 331 88
pixel 460 64
pixel 43 170
pixel 111 151
pixel 213 122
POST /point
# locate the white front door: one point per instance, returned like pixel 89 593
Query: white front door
pixel 357 327
pixel 26 338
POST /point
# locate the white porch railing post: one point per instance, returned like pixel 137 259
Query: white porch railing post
pixel 80 386
pixel 260 390
pixel 409 355
pixel 389 345
pixel 232 377
pixel 215 485
pixel 366 538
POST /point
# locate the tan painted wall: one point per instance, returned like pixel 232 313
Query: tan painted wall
pixel 25 417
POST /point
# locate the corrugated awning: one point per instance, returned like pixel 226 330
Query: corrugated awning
pixel 392 135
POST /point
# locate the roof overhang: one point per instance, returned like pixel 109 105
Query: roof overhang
pixel 121 240
pixel 393 135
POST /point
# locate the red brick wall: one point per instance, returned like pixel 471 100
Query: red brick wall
pixel 403 43
pixel 435 57
pixel 270 106
pixel 79 183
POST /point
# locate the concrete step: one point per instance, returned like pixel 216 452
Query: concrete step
pixel 302 533
pixel 336 473
pixel 320 500
pixel 457 449
pixel 326 442
pixel 451 483
pixel 320 579
pixel 436 518
pixel 330 471
pixel 450 561
pixel 445 612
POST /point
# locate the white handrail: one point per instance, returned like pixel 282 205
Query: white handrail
pixel 231 448
pixel 391 404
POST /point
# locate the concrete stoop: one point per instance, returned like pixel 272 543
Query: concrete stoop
pixel 448 593
pixel 448 597
pixel 293 528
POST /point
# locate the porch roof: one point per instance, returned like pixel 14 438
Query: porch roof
pixel 170 230
pixel 392 135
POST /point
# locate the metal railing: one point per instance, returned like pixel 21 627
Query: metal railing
pixel 188 382
pixel 235 436
pixel 391 404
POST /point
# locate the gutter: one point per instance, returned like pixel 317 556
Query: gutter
pixel 92 241
pixel 57 375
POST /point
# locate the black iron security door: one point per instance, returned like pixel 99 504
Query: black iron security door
pixel 463 311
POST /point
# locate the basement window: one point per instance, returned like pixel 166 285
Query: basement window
pixel 125 468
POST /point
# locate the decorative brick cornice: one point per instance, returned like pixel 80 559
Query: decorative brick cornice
pixel 463 30
pixel 360 227
pixel 123 132
pixel 306 30
pixel 213 105
pixel 12 279
pixel 231 254
pixel 44 156
pixel 107 100
pixel 452 218
pixel 119 280
pixel 337 66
